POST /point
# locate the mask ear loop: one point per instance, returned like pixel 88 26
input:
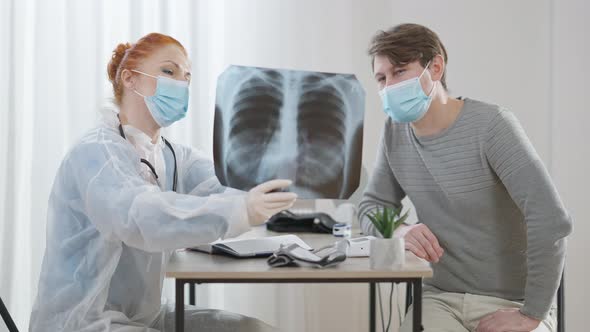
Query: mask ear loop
pixel 433 83
pixel 140 72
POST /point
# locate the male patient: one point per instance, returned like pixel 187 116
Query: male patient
pixel 490 220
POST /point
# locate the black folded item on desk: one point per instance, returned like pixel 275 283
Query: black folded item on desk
pixel 287 221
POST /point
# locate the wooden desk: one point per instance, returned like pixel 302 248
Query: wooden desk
pixel 196 268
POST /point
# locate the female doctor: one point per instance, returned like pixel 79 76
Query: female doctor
pixel 124 198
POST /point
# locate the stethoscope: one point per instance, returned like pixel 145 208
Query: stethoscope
pixel 150 166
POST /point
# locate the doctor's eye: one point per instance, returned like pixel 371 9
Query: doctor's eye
pixel 168 71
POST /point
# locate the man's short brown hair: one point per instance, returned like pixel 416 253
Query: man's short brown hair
pixel 406 43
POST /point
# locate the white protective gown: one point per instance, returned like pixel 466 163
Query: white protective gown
pixel 111 230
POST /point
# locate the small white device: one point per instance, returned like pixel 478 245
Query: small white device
pixel 341 230
pixel 359 247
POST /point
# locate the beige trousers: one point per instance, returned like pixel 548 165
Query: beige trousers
pixel 457 312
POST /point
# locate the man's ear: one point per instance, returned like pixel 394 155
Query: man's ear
pixel 128 79
pixel 437 67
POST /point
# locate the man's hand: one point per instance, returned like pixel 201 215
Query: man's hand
pixel 507 320
pixel 420 240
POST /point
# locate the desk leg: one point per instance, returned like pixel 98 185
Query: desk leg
pixel 417 297
pixel 179 311
pixel 408 295
pixel 192 289
pixel 372 311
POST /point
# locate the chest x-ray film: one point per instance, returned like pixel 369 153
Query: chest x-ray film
pixel 289 124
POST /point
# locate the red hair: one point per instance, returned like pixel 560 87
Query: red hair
pixel 127 56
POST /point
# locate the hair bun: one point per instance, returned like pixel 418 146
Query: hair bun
pixel 117 57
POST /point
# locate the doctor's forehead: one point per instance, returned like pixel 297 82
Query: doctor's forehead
pixel 171 54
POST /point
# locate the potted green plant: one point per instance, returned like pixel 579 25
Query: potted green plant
pixel 388 252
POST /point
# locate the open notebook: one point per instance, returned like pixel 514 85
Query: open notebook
pixel 261 247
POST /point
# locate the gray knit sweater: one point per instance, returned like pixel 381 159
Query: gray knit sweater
pixel 484 192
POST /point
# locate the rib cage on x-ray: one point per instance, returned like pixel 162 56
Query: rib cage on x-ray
pixel 303 126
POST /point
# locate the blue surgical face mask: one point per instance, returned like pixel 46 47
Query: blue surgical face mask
pixel 170 102
pixel 406 101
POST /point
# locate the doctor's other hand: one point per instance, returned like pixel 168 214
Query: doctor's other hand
pixel 422 242
pixel 263 201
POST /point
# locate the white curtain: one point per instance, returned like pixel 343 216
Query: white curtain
pixel 53 80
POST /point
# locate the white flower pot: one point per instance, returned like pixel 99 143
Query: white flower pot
pixel 387 254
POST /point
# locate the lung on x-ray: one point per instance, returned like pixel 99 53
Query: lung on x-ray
pixel 289 124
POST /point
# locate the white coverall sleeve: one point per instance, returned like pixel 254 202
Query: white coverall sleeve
pixel 123 206
pixel 198 171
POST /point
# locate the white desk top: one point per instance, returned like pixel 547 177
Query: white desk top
pixel 195 265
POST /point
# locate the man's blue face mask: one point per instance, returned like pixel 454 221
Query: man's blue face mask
pixel 406 101
pixel 170 102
